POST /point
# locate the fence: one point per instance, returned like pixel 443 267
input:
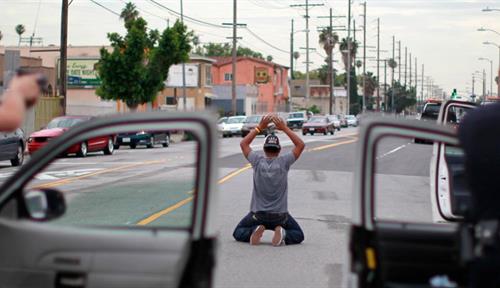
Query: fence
pixel 46 109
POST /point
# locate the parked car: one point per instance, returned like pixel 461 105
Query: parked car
pixel 143 138
pixel 430 112
pixel 220 124
pixel 343 121
pixel 335 120
pixel 251 122
pixel 296 119
pixel 233 126
pixel 318 124
pixel 60 125
pixel 352 120
pixel 12 146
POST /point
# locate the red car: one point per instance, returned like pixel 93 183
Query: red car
pixel 58 126
pixel 318 124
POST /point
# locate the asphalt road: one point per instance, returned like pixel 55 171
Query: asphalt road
pixel 145 186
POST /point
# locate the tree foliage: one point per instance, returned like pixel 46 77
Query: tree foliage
pixel 403 97
pixel 226 50
pixel 137 66
pixel 344 50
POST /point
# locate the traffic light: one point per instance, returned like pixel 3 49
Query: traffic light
pixel 454 94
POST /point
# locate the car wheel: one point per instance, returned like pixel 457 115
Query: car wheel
pixel 19 156
pixel 325 133
pixel 304 133
pixel 311 133
pixel 167 141
pixel 110 148
pixel 332 131
pixel 117 146
pixel 133 146
pixel 151 142
pixel 83 150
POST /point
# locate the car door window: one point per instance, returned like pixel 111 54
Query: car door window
pixel 148 185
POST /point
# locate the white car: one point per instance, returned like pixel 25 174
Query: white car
pixel 233 126
pixel 221 123
pixel 352 120
pixel 335 120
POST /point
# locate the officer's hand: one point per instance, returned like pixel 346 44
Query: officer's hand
pixel 26 86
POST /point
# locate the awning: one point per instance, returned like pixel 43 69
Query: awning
pixel 211 95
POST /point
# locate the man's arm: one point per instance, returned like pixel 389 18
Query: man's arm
pixel 299 144
pixel 245 143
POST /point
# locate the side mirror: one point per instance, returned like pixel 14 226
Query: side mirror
pixel 44 204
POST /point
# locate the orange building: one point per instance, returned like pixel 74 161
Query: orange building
pixel 270 78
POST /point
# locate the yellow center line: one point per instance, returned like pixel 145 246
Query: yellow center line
pixel 72 179
pixel 157 215
pixel 319 148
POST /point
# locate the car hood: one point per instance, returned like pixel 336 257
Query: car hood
pixel 250 125
pixel 54 132
pixel 234 125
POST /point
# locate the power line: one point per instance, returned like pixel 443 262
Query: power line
pixel 265 42
pixel 104 7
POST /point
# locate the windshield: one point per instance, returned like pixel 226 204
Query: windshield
pixel 350 117
pixel 222 120
pixel 296 115
pixel 317 120
pixel 235 120
pixel 253 119
pixel 64 122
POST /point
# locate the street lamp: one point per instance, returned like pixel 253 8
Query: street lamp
pixel 498 46
pixel 491 72
pixel 488 9
pixel 482 29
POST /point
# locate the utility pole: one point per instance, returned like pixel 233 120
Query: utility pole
pixel 422 89
pixel 330 65
pixel 364 56
pixel 63 57
pixel 392 80
pixel 291 53
pixel 348 57
pixel 235 38
pixel 473 83
pixel 184 100
pixel 416 79
pixel 411 76
pixel 399 61
pixel 378 64
pixel 484 84
pixel 406 63
pixel 307 5
pixel 385 85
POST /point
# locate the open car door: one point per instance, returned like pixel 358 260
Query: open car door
pixel 395 252
pixel 113 222
pixel 448 187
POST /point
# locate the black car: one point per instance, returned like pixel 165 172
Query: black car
pixel 143 138
pixel 12 146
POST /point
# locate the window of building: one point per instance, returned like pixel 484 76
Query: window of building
pixel 208 75
pixel 170 100
pixel 228 76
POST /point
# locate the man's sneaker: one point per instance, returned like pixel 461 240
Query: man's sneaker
pixel 279 236
pixel 257 234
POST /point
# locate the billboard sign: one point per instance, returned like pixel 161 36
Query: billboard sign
pixel 261 75
pixel 175 76
pixel 82 73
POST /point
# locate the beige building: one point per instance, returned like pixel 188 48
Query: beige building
pixel 319 96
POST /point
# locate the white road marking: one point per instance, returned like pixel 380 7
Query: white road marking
pixel 392 151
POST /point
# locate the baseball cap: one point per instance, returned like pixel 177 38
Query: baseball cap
pixel 272 141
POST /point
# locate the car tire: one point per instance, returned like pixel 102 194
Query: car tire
pixel 83 150
pixel 19 159
pixel 333 131
pixel 325 133
pixel 151 142
pixel 304 133
pixel 312 134
pixel 167 141
pixel 117 146
pixel 110 147
pixel 133 146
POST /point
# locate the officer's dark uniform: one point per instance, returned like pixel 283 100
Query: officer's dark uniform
pixel 479 135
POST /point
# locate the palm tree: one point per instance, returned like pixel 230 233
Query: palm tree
pixel 328 40
pixel 371 84
pixel 359 64
pixel 129 13
pixel 343 49
pixel 392 64
pixel 20 30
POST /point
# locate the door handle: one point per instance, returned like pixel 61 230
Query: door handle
pixel 70 280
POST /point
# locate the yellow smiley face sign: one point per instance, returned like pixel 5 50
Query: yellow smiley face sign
pixel 261 75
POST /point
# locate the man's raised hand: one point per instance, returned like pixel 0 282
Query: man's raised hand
pixel 278 121
pixel 265 121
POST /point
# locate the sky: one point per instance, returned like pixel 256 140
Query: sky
pixel 442 34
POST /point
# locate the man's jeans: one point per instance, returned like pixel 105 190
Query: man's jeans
pixel 247 225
